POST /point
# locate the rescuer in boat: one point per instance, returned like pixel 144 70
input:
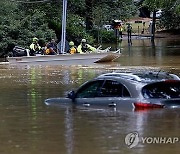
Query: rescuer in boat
pixel 84 47
pixel 72 48
pixel 51 48
pixel 34 47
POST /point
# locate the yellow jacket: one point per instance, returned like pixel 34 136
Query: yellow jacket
pixel 89 48
pixel 72 50
pixel 35 47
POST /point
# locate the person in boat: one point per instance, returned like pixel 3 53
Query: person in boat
pixel 84 47
pixel 72 48
pixel 35 47
pixel 51 48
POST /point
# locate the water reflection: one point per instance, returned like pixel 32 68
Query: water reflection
pixel 69 131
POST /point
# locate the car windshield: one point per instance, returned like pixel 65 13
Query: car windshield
pixel 166 89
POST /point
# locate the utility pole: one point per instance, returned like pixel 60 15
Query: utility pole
pixel 63 30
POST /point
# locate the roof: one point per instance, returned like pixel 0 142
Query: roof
pixel 144 77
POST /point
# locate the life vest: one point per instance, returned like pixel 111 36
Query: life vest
pixel 72 50
pixel 48 51
pixel 35 47
pixel 120 28
pixel 84 48
pixel 52 45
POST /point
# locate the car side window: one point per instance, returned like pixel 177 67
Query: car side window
pixel 90 90
pixel 114 89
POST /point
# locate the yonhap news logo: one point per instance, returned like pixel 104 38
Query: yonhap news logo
pixel 133 139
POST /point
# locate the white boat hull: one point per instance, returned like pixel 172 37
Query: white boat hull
pixel 66 59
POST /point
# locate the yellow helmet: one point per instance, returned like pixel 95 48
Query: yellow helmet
pixel 83 40
pixel 35 39
pixel 71 43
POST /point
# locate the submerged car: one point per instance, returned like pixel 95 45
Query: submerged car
pixel 129 90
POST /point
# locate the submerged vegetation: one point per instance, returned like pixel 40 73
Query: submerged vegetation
pixel 20 21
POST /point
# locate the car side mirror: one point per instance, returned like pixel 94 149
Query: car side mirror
pixel 71 95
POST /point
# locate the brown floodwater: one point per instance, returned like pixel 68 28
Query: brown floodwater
pixel 29 126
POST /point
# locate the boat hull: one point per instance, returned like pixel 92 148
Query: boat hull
pixel 64 59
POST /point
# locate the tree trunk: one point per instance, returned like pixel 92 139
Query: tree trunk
pixel 89 15
pixel 153 25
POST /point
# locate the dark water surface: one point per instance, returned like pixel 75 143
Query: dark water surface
pixel 28 126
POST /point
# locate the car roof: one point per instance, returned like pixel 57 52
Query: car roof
pixel 141 77
pixel 134 82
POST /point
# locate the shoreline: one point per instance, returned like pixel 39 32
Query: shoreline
pixel 148 36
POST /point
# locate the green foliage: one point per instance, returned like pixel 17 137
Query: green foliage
pixel 105 11
pixel 102 12
pixel 77 7
pixel 76 29
pixel 170 18
pixel 108 36
pixel 177 10
pixel 153 4
pixel 17 28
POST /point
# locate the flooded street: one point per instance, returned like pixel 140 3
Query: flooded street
pixel 29 126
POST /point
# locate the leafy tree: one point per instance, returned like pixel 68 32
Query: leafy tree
pixel 153 5
pixel 170 16
pixel 77 7
pixel 17 28
pixel 116 9
pixel 76 29
pixel 105 11
pixel 98 12
pixel 53 13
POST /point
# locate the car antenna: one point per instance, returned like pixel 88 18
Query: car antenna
pixel 158 73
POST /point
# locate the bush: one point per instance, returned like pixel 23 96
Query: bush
pixel 104 36
pixel 108 36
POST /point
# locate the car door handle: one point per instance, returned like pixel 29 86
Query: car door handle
pixel 112 104
pixel 86 104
